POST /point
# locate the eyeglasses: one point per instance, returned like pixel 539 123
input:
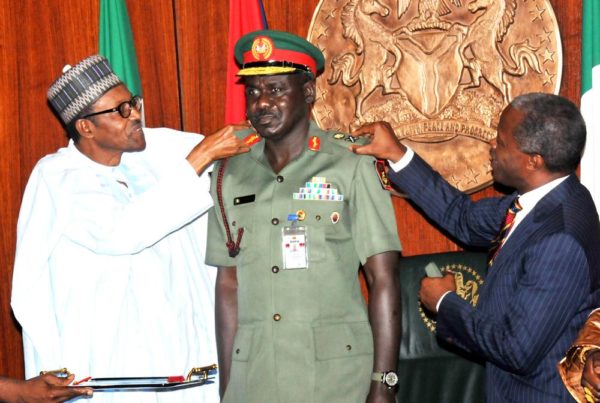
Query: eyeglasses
pixel 124 108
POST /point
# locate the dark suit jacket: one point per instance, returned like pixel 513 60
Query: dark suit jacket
pixel 537 294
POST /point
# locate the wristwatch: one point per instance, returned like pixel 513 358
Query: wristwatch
pixel 388 378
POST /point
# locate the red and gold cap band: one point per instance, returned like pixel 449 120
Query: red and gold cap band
pixel 280 61
pixel 268 52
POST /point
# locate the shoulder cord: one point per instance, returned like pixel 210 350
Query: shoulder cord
pixel 233 248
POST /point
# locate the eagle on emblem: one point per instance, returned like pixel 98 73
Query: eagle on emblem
pixel 428 8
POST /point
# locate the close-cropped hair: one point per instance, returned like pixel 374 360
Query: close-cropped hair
pixel 553 128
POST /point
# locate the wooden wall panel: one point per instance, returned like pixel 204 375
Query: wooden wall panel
pixel 10 362
pixel 36 43
pixel 181 47
pixel 153 26
pixel 202 50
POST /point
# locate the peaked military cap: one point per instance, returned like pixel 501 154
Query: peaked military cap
pixel 80 86
pixel 269 52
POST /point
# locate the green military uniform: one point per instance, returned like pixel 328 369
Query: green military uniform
pixel 303 334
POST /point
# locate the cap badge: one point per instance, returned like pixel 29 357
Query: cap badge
pixel 262 47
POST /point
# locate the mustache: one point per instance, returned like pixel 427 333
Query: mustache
pixel 261 114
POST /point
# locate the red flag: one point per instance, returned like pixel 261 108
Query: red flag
pixel 244 16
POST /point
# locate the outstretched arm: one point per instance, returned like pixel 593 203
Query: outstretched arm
pixel 219 145
pixel 383 145
pixel 385 316
pixel 41 389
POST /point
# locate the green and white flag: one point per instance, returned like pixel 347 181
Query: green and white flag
pixel 116 43
pixel 590 97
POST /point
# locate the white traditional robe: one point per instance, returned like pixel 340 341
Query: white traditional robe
pixel 109 276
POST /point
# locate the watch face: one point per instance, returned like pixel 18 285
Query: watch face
pixel 391 378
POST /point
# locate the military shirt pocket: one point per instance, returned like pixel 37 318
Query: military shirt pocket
pixel 326 222
pixel 242 345
pixel 343 340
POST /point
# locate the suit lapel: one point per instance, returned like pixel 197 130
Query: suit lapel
pixel 547 208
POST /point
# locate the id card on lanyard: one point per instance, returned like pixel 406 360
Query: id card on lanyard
pixel 294 247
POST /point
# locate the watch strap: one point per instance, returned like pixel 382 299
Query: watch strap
pixel 388 378
pixel 377 376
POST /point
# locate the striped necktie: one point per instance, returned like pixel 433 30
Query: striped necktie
pixel 509 219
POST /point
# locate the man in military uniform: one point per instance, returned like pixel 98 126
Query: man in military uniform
pixel 296 217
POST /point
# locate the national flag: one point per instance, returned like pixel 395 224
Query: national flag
pixel 116 43
pixel 244 16
pixel 590 97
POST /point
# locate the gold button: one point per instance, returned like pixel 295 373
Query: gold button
pixel 275 269
pixel 318 218
pixel 277 317
pixel 275 221
pixel 279 178
pixel 348 347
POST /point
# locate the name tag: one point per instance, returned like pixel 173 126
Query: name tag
pixel 243 199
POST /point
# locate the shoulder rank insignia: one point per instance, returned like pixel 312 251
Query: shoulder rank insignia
pixel 381 169
pixel 346 137
pixel 251 139
pixel 314 143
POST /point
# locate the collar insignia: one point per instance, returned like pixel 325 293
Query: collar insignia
pixel 251 139
pixel 314 143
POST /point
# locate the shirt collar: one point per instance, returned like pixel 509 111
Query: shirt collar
pixel 529 199
pixel 257 151
pixel 89 162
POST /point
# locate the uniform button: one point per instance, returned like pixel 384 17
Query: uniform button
pixel 348 347
pixel 279 178
pixel 233 223
pixel 318 218
pixel 237 351
pixel 275 269
pixel 277 317
pixel 275 221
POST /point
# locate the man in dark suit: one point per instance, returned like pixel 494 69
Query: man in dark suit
pixel 544 278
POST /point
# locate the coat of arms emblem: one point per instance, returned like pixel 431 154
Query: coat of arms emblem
pixel 439 71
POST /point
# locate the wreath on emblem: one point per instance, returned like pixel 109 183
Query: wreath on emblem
pixel 467 281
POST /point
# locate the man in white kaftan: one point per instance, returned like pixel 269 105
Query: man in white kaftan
pixel 109 277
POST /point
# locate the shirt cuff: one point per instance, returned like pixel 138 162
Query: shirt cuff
pixel 404 161
pixel 437 306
